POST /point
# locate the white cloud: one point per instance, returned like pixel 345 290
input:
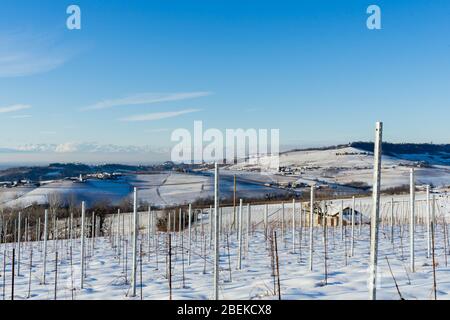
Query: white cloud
pixel 158 115
pixel 21 116
pixel 146 98
pixel 14 108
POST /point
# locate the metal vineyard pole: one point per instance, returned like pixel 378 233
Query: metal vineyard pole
pixel 134 243
pixel 282 219
pixel 248 226
pixel 93 232
pixel 375 211
pixel 411 219
pixel 433 220
pixel 118 237
pixel 216 232
pixel 293 225
pixel 311 238
pixel 83 213
pixel 300 228
pixel 71 228
pixel 266 220
pixel 428 222
pixel 352 247
pixel 392 220
pixel 240 236
pixel 341 220
pixel 189 234
pixel 19 235
pixel 45 244
pixel 149 224
pixel 210 225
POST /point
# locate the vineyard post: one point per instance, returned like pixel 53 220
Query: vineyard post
pixel 83 213
pixel 311 229
pixel 19 235
pixel 352 245
pixel 134 242
pixel 240 236
pixel 248 226
pixel 428 222
pixel 293 226
pixel 411 219
pixel 341 220
pixel 189 234
pixel 375 211
pixel 392 220
pixel 216 232
pixel 45 244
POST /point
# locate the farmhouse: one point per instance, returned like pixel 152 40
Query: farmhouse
pixel 334 211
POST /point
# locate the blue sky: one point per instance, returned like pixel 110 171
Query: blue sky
pixel 310 68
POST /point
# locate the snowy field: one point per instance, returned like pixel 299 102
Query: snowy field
pixel 108 260
pixel 346 165
pixel 340 168
pixel 179 189
pixel 158 189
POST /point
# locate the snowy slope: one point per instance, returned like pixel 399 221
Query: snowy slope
pixel 350 165
pixel 108 273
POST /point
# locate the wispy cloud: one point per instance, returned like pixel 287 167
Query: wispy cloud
pixel 158 115
pixel 14 108
pixel 26 53
pixel 21 116
pixel 146 98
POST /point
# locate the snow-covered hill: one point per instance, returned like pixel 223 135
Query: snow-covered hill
pixel 348 165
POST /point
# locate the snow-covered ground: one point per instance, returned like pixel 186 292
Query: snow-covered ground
pixel 158 189
pixel 343 169
pixel 349 165
pixel 178 188
pixel 108 273
pixel 65 191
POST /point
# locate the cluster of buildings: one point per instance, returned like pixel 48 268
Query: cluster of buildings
pixel 18 183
